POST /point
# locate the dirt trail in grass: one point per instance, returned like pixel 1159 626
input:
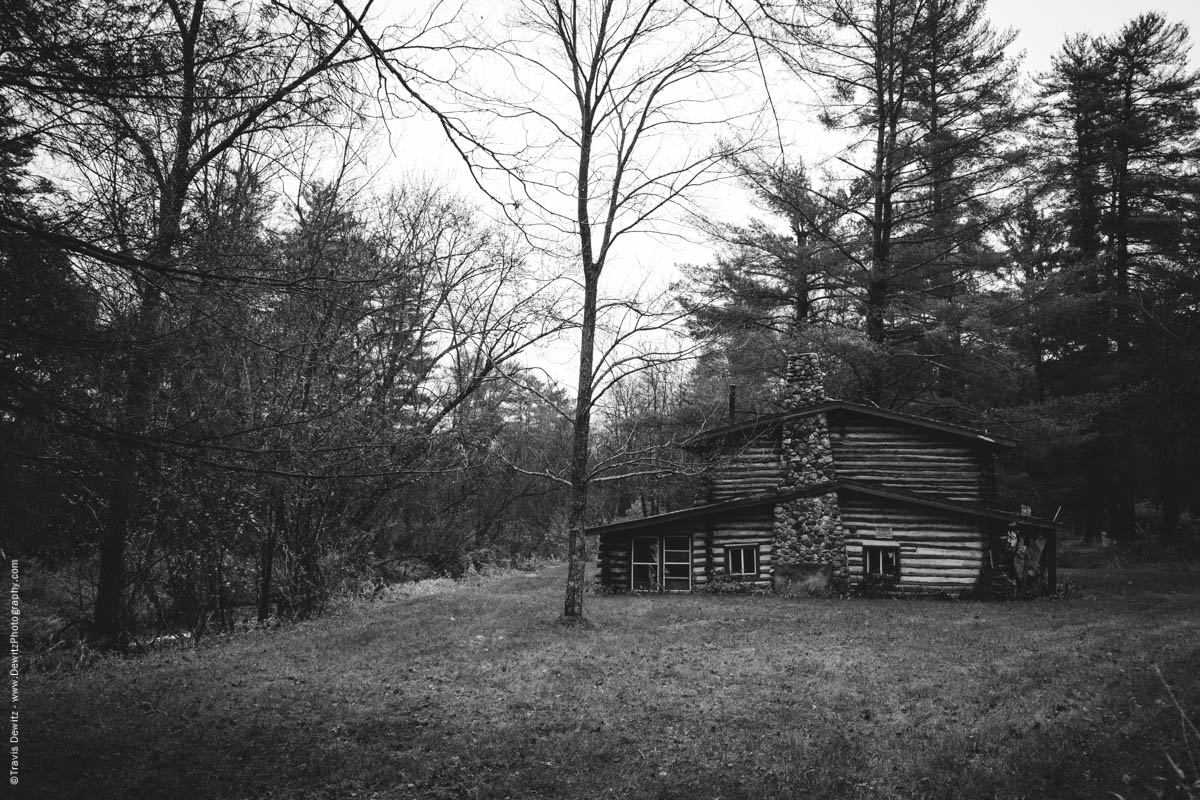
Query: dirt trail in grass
pixel 475 691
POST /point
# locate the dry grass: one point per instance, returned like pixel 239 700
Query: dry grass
pixel 475 691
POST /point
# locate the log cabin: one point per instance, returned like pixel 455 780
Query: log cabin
pixel 832 496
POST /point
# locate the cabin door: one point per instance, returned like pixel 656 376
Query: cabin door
pixel 661 562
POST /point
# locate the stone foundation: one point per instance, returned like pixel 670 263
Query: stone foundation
pixel 802 579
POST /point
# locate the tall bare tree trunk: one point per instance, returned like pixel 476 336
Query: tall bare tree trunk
pixel 580 451
pixel 267 564
pixel 108 622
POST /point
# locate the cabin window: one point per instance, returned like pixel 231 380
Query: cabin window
pixel 742 560
pixel 881 563
pixel 661 562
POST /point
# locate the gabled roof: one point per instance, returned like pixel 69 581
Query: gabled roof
pixel 770 420
pixel 853 487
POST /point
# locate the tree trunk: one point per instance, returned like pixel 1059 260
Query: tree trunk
pixel 133 420
pixel 1094 497
pixel 886 102
pixel 1122 517
pixel 108 625
pixel 267 563
pixel 877 293
pixel 1169 482
pixel 580 436
pixel 142 375
pixel 224 612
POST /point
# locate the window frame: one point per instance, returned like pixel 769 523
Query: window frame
pixel 730 549
pixel 651 568
pixel 880 548
pixel 656 573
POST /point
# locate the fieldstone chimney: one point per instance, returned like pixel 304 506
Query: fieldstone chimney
pixel 803 381
pixel 807 452
pixel 810 548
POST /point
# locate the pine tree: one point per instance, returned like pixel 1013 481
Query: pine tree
pixel 924 93
pixel 1150 135
pixel 1122 126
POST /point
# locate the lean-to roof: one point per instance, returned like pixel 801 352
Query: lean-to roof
pixel 731 506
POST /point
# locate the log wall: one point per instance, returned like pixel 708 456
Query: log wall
pixel 910 458
pixel 751 468
pixel 709 540
pixel 939 551
pixel 755 527
pixel 612 559
pixel 613 556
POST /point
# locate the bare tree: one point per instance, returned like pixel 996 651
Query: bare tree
pixel 611 100
pixel 136 106
pixel 413 308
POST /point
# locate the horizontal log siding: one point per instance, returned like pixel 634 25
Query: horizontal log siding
pixel 755 527
pixel 751 468
pixel 612 552
pixel 905 457
pixel 699 557
pixel 940 551
pixel 612 558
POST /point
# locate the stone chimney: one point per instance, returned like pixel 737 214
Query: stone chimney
pixel 809 546
pixel 806 449
pixel 803 382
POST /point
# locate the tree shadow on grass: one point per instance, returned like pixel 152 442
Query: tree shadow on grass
pixel 452 698
pixel 453 744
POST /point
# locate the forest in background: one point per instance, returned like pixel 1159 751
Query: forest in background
pixel 235 371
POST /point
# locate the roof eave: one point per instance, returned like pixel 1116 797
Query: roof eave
pixel 685 514
pixel 951 506
pixel 770 498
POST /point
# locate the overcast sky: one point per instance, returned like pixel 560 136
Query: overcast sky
pixel 1042 26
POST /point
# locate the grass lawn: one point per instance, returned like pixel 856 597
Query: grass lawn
pixel 475 691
